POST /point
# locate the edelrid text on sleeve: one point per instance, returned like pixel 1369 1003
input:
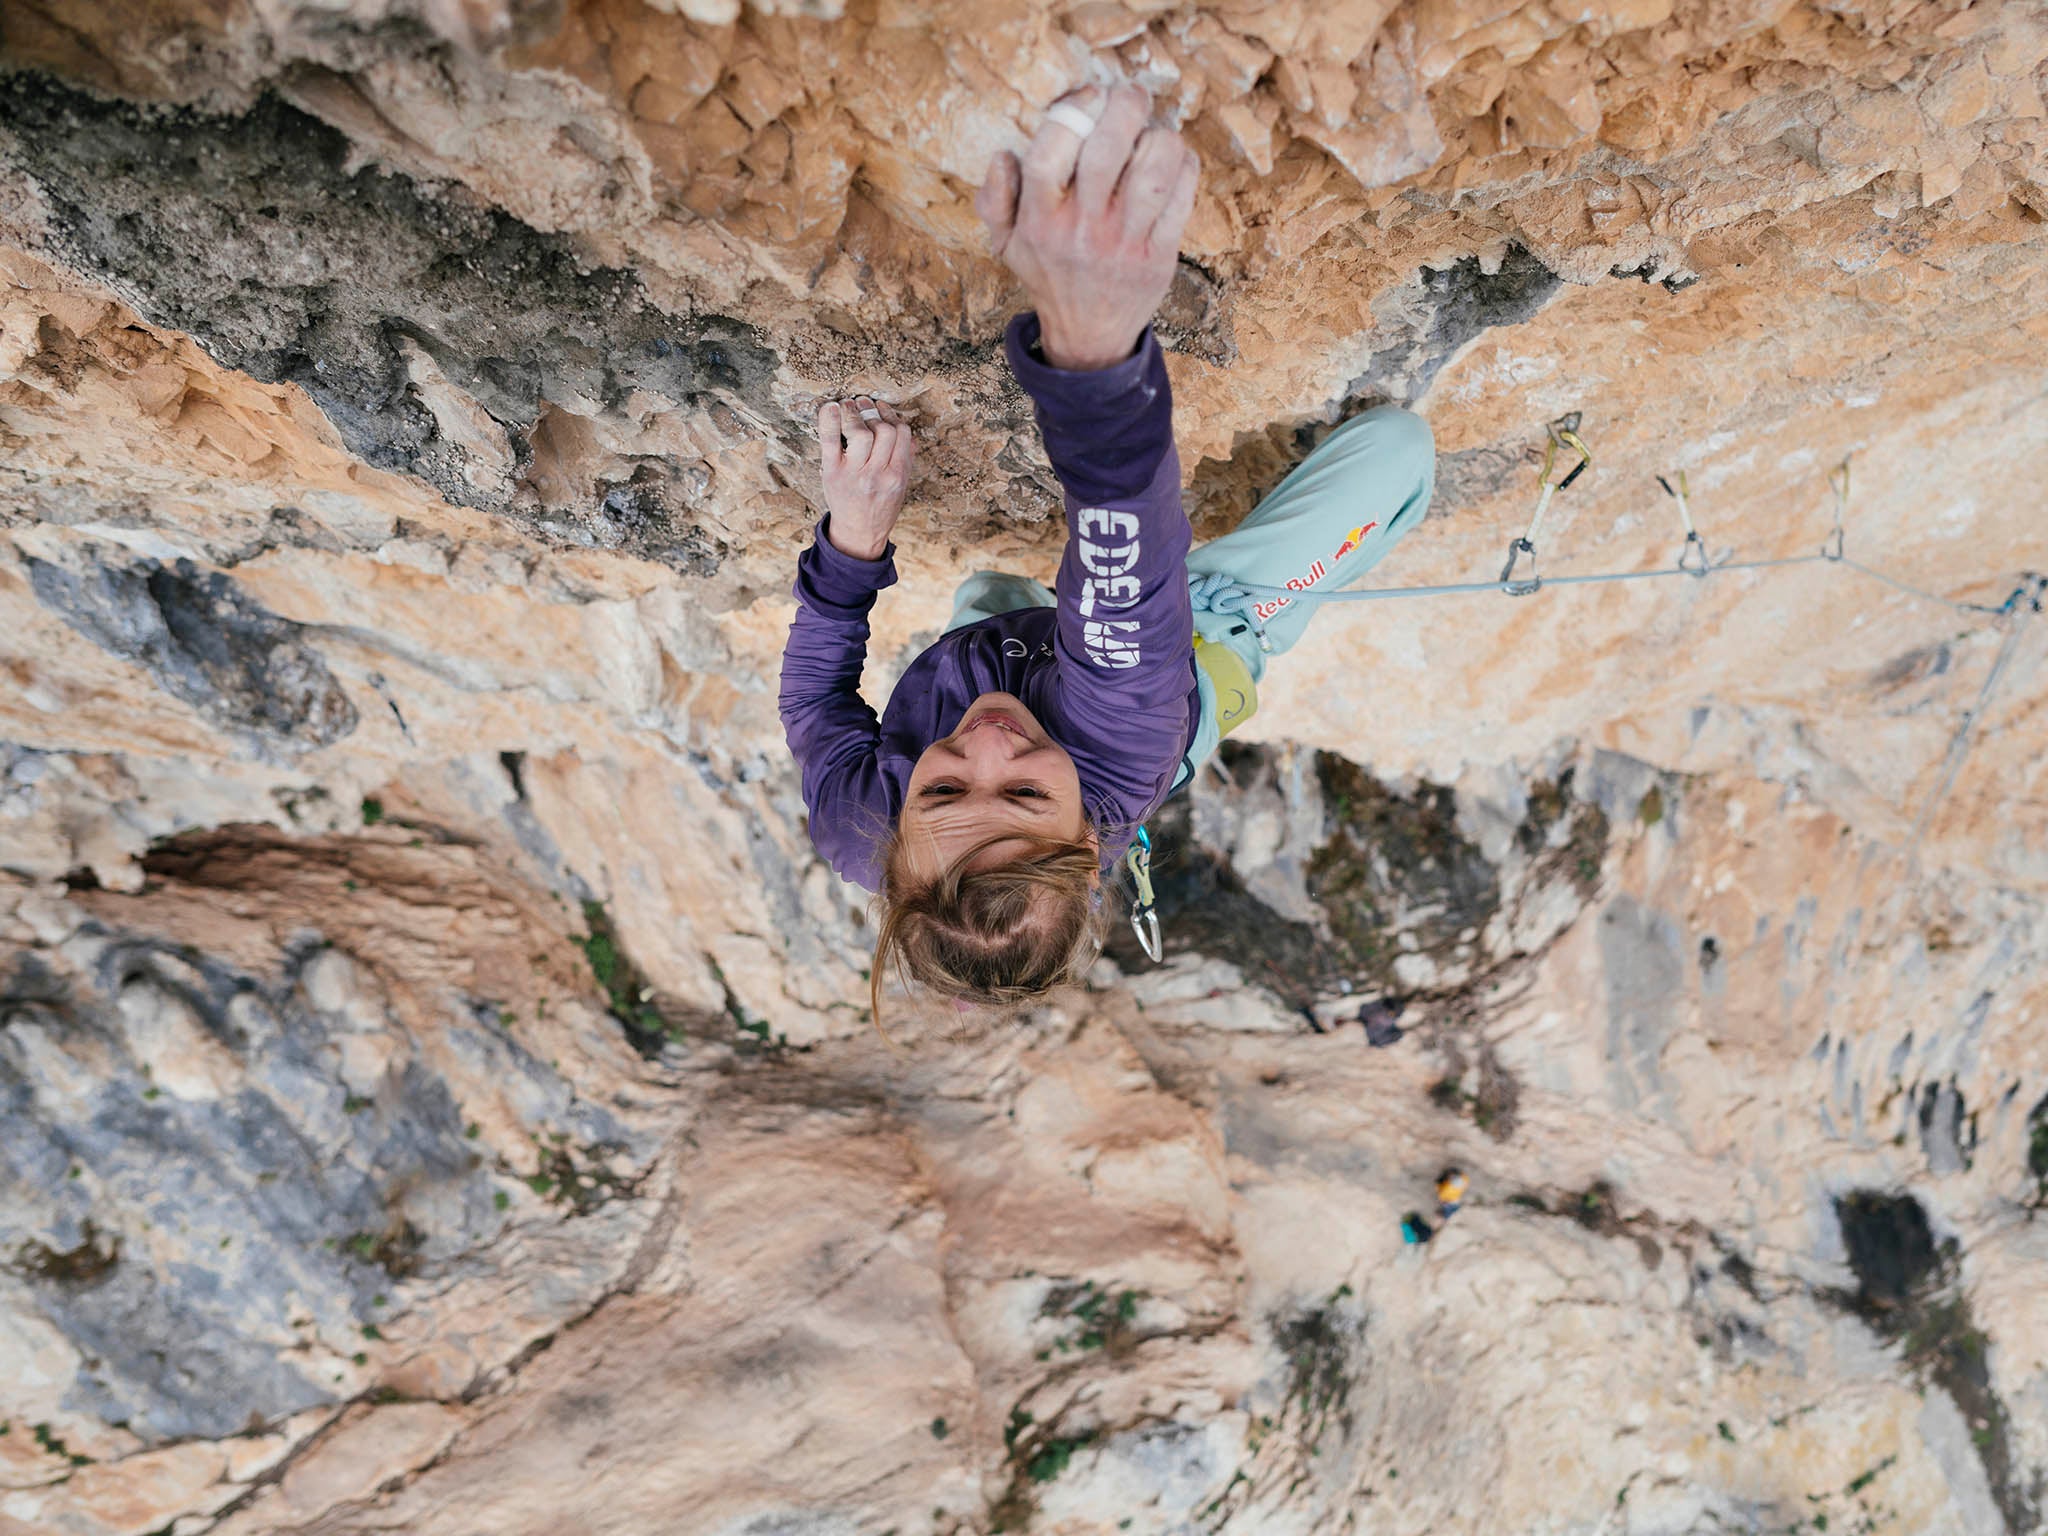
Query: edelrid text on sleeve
pixel 1109 584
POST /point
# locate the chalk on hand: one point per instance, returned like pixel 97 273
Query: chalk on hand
pixel 870 414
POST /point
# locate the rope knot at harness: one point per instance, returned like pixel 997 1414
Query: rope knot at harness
pixel 1217 593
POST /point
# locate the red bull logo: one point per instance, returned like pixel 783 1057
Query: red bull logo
pixel 1352 540
pixel 1316 572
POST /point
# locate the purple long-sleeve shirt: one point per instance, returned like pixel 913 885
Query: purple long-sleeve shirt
pixel 1109 673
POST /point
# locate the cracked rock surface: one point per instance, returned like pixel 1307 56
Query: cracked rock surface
pixel 436 1093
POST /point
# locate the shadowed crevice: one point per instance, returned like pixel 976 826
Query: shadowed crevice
pixel 1909 1290
pixel 440 337
pixel 205 642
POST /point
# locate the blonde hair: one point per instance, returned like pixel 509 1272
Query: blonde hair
pixel 1001 935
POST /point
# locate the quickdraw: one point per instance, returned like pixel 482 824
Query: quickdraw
pixel 1838 482
pixel 2028 598
pixel 1562 433
pixel 1144 909
pixel 1692 559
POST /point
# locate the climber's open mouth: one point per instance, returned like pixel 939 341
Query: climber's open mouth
pixel 1003 713
pixel 1000 721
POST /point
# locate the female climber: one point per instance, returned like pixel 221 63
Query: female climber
pixel 1019 755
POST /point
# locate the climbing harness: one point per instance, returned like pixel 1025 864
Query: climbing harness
pixel 1144 911
pixel 1562 433
pixel 1237 696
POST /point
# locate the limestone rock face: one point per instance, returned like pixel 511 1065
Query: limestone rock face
pixel 436 1091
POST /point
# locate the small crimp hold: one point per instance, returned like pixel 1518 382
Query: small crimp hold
pixel 1532 582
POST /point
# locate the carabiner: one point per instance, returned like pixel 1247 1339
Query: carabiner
pixel 1564 433
pixel 1145 924
pixel 1693 559
pixel 1516 549
pixel 1561 433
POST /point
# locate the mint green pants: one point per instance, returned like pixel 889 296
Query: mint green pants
pixel 1326 525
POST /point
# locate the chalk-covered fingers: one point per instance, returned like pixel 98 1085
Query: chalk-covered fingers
pixel 831 436
pixel 1109 148
pixel 1180 202
pixel 888 434
pixel 900 444
pixel 858 419
pixel 1048 165
pixel 996 200
pixel 1150 179
pixel 1097 262
pixel 889 431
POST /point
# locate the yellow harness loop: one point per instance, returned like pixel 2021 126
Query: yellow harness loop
pixel 1237 696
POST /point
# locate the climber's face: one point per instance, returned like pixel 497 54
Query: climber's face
pixel 999 775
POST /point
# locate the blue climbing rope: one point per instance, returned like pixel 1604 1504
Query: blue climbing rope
pixel 1239 594
pixel 1219 594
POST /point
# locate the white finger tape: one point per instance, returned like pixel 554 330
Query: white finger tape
pixel 1071 117
pixel 870 414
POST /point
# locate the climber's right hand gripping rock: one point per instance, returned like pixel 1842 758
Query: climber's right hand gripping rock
pixel 1091 224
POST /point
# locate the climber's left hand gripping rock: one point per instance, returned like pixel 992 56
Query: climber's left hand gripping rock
pixel 1091 224
pixel 864 453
